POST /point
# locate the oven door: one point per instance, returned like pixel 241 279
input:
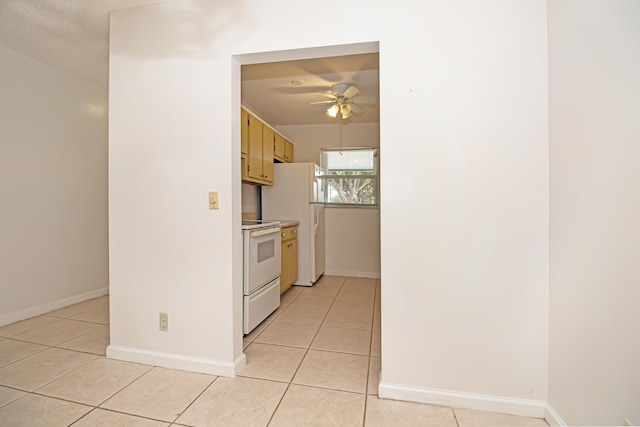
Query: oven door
pixel 261 257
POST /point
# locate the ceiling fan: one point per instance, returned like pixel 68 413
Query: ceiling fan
pixel 345 100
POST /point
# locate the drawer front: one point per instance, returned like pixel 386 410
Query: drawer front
pixel 289 233
pixel 260 304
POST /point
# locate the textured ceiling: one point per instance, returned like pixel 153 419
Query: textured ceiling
pixel 267 89
pixel 73 35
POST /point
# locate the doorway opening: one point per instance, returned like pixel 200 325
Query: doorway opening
pixel 286 90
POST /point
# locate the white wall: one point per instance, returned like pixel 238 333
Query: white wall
pixel 309 139
pixel 352 242
pixel 352 245
pixel 251 201
pixel 169 145
pixel 464 195
pixel 594 110
pixel 53 188
pixel 464 215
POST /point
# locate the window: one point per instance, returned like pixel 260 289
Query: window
pixel 351 176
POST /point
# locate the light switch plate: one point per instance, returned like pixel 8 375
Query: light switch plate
pixel 213 200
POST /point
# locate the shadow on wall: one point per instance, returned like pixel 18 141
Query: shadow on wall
pixel 204 27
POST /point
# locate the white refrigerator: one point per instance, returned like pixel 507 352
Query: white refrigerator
pixel 297 194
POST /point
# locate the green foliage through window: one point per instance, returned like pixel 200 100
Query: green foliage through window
pixel 351 176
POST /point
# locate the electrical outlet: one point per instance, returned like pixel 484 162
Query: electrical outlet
pixel 213 200
pixel 164 322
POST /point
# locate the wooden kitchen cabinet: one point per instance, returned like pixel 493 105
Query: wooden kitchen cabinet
pixel 282 149
pixel 244 131
pixel 289 257
pixel 257 166
pixel 288 151
pixel 260 145
pixel 268 136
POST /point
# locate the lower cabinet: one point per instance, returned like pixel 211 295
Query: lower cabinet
pixel 289 256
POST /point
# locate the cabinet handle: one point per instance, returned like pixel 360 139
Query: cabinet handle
pixel 284 234
pixel 294 231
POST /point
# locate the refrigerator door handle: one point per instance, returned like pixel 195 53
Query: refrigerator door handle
pixel 315 217
pixel 314 200
pixel 314 196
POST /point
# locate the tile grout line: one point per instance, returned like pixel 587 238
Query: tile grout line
pixel 25 357
pixel 303 357
pixel 455 417
pixel 194 400
pixel 366 392
pixel 49 347
pixel 61 376
pixel 94 407
pixel 122 413
pixel 53 317
pixel 294 374
pixel 334 298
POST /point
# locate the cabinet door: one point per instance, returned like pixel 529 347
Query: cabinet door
pixel 244 131
pixel 293 260
pixel 268 136
pixel 288 154
pixel 279 148
pixel 285 280
pixel 255 148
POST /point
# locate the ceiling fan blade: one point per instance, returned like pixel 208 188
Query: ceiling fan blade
pixel 350 92
pixel 356 108
pixel 338 89
pixel 325 94
pixel 371 100
pixel 322 102
pixel 302 90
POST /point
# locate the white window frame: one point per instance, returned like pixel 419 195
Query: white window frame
pixel 375 177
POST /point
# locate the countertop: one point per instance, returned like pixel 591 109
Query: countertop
pixel 288 222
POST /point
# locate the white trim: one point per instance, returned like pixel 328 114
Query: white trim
pixel 240 363
pixel 177 361
pixel 46 308
pixel 364 274
pixel 552 417
pixel 482 402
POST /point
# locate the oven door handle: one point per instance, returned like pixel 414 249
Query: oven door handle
pixel 264 232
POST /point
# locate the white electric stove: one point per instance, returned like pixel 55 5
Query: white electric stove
pixel 261 271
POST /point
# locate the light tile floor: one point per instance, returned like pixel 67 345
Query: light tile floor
pixel 314 362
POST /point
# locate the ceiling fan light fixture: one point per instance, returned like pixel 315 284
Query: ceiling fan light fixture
pixel 333 110
pixel 345 110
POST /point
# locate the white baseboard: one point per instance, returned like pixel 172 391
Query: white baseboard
pixel 46 308
pixel 363 274
pixel 177 361
pixel 552 417
pixel 481 402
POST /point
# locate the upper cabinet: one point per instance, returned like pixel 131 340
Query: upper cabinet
pixel 283 149
pixel 244 132
pixel 258 144
pixel 268 136
pixel 256 150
